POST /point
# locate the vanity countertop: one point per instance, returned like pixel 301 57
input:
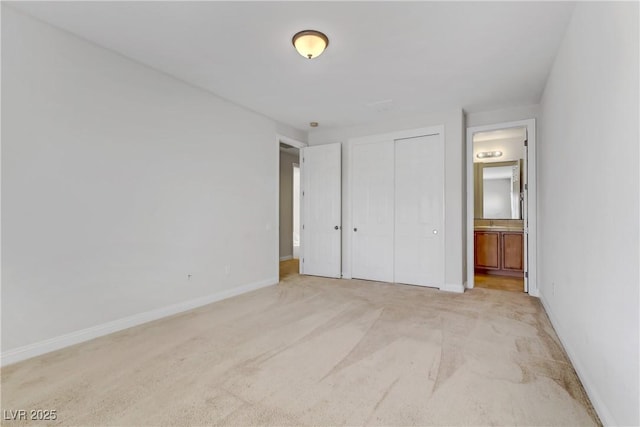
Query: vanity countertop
pixel 498 228
pixel 498 225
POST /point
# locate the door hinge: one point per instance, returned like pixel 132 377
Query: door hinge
pixel 526 142
pixel 303 160
pixel 303 194
pixel 526 186
pixel 526 274
pixel 303 260
pixel 303 226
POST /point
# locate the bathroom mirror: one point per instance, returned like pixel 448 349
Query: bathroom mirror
pixel 498 190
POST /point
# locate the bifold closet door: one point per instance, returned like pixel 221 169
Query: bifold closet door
pixel 372 224
pixel 419 211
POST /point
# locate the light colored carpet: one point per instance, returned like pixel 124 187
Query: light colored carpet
pixel 314 351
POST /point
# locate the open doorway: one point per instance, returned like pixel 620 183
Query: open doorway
pixel 499 206
pixel 289 209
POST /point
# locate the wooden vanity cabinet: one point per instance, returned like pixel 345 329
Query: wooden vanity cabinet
pixel 512 256
pixel 499 252
pixel 487 244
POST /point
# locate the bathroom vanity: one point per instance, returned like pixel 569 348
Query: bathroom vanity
pixel 499 246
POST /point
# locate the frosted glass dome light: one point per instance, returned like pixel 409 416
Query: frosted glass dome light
pixel 310 43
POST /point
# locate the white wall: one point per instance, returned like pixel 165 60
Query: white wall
pixel 513 114
pixel 286 203
pixel 117 182
pixel 455 225
pixel 588 204
pixel 291 133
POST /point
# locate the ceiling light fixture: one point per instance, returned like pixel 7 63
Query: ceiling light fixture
pixel 313 124
pixel 487 154
pixel 310 43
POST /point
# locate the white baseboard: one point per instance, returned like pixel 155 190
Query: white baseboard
pixel 453 287
pixel 36 349
pixel 286 257
pixel 601 408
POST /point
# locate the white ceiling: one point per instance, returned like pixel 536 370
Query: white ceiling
pixel 385 59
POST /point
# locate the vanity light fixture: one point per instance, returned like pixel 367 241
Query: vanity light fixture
pixel 310 43
pixel 487 154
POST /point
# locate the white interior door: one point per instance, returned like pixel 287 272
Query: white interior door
pixel 321 210
pixel 373 210
pixel 419 216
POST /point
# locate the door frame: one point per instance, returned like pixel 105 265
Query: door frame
pixel 348 217
pixel 294 143
pixel 530 251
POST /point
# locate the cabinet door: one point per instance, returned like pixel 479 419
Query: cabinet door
pixel 487 249
pixel 512 248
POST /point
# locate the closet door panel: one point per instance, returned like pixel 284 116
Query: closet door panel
pixel 419 207
pixel 373 211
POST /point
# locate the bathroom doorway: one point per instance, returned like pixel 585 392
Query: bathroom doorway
pixel 499 206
